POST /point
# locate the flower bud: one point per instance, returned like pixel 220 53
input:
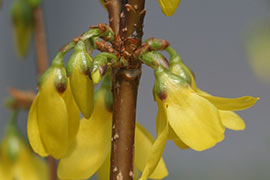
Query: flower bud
pixel 154 59
pixel 79 73
pixel 34 3
pixel 22 19
pixel 59 74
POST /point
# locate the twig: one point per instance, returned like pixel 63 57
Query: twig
pixel 125 87
pixel 20 99
pixel 40 41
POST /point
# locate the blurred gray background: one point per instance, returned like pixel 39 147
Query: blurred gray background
pixel 210 36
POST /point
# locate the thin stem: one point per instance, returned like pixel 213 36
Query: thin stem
pixel 124 88
pixel 40 41
pixel 53 167
pixel 42 65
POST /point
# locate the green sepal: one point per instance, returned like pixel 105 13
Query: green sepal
pixel 44 77
pixel 157 44
pixel 34 3
pixel 178 67
pixel 165 79
pixel 100 65
pixel 154 59
pixel 84 60
pixel 21 12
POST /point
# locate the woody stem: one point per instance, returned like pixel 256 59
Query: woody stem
pixel 42 65
pixel 127 25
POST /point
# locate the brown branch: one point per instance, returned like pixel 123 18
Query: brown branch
pixel 125 87
pixel 21 99
pixel 114 10
pixel 40 41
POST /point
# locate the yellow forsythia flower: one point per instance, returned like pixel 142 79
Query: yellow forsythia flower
pixel 225 106
pixel 168 7
pixel 54 117
pixel 79 73
pixel 18 162
pixel 90 151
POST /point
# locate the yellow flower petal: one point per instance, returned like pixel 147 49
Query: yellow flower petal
pixel 169 6
pixel 194 119
pixel 161 123
pixel 143 144
pixel 154 157
pixel 33 130
pixel 230 104
pixel 104 171
pixel 83 91
pixel 73 113
pixel 29 167
pixel 231 120
pixel 91 146
pixel 52 119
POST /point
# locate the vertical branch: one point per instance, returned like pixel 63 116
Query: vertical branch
pixel 114 10
pixel 40 41
pixel 125 87
pixel 42 65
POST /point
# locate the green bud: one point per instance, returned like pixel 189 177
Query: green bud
pixel 22 19
pixel 80 59
pixel 82 88
pixel 154 59
pixel 34 3
pixel 100 65
pixel 157 44
pixel 21 12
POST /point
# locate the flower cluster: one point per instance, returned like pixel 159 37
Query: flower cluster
pixel 186 115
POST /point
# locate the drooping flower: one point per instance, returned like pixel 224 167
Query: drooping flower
pixel 168 7
pixel 225 105
pixel 17 161
pixel 82 86
pixel 90 151
pixel 54 117
pixel 188 116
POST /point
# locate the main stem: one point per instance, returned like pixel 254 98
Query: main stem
pixel 126 20
pixel 42 65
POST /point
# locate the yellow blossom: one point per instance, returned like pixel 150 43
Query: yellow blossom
pixel 168 7
pixel 54 117
pixel 188 116
pixel 18 162
pixel 90 151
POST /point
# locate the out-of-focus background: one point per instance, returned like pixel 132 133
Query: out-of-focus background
pixel 226 43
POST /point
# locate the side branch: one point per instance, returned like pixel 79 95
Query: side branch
pixel 40 41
